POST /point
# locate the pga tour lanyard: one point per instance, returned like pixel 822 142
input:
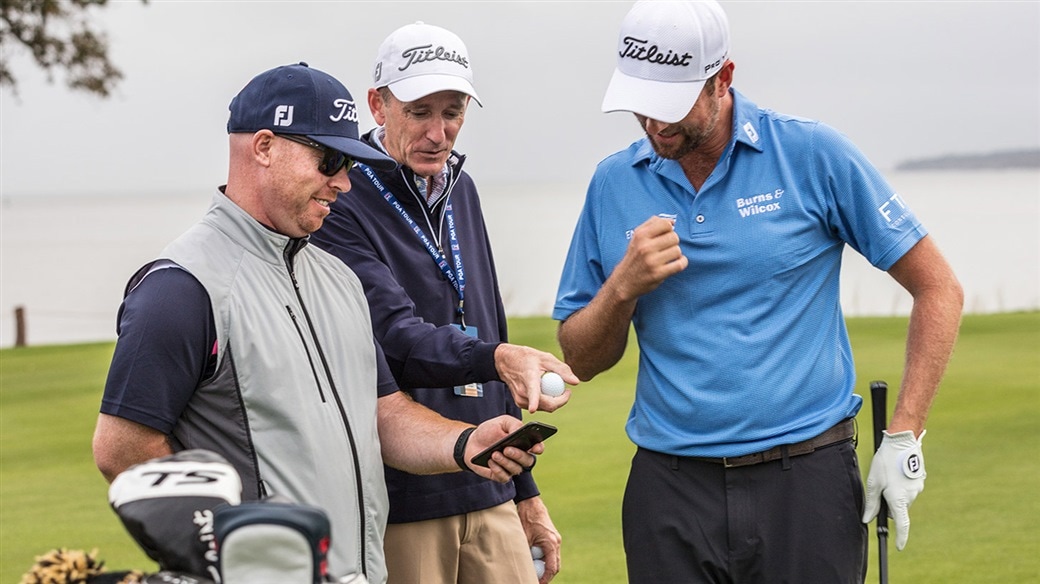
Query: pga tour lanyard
pixel 456 277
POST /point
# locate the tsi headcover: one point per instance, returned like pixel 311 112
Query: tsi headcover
pixel 167 505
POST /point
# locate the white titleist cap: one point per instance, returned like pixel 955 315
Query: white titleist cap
pixel 666 51
pixel 419 59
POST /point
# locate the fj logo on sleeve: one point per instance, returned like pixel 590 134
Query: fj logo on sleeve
pixel 283 115
pixel 894 204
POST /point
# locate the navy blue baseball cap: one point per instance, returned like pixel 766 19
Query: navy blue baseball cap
pixel 296 99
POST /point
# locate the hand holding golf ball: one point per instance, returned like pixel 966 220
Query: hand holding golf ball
pixel 539 561
pixel 552 384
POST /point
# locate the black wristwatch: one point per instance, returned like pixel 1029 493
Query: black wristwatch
pixel 460 448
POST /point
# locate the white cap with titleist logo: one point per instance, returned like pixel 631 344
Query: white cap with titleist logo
pixel 666 51
pixel 419 59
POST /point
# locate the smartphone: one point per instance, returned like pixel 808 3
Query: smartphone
pixel 523 438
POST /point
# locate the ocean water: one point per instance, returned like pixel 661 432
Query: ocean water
pixel 65 259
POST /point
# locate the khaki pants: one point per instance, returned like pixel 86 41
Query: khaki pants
pixel 481 547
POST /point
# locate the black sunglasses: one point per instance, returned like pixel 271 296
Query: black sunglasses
pixel 331 160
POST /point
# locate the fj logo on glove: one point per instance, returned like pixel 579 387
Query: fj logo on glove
pixel 913 466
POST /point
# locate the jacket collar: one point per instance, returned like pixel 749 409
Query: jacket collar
pixel 253 236
pixel 403 179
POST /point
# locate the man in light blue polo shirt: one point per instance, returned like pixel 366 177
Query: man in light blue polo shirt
pixel 719 237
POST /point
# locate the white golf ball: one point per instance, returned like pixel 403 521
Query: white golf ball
pixel 537 553
pixel 552 384
pixel 539 568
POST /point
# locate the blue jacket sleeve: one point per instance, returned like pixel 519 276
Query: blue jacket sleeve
pixel 525 486
pixel 419 353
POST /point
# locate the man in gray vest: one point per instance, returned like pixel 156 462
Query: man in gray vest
pixel 244 340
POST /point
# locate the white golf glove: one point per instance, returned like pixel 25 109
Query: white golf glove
pixel 897 472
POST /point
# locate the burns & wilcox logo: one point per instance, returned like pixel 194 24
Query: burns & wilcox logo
pixel 759 204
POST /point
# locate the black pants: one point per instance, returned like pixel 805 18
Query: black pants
pixel 794 521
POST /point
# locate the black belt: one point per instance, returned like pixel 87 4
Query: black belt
pixel 842 431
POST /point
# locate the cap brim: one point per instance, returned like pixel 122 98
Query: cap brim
pixel 357 150
pixel 663 101
pixel 418 87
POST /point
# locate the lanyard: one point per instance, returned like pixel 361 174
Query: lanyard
pixel 457 277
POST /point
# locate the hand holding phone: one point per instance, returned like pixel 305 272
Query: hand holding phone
pixel 523 438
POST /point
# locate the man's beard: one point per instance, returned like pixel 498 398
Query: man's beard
pixel 693 137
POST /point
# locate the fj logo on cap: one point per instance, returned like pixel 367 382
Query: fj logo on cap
pixel 639 50
pixel 283 115
pixel 426 53
pixel 347 111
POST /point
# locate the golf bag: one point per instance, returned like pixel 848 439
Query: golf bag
pixel 185 512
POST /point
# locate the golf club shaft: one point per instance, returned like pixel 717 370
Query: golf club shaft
pixel 878 399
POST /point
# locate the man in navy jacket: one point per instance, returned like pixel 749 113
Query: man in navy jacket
pixel 416 238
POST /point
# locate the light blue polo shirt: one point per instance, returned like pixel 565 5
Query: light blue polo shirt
pixel 746 348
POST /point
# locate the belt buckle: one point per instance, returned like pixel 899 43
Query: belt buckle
pixel 745 460
pixel 738 461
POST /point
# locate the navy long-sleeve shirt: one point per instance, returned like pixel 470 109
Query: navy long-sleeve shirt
pixel 415 319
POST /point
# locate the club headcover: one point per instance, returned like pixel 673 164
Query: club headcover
pixel 167 505
pixel 272 542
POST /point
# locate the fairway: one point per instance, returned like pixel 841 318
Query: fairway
pixel 976 522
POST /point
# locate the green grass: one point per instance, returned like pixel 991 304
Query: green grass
pixel 51 494
pixel 977 521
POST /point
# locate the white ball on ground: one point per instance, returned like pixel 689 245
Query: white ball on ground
pixel 552 384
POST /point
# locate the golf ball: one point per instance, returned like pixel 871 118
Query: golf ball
pixel 539 568
pixel 539 563
pixel 552 384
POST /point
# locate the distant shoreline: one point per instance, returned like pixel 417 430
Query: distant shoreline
pixel 1003 160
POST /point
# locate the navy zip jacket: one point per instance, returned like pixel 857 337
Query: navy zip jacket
pixel 414 316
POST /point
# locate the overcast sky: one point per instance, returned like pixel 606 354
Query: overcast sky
pixel 902 79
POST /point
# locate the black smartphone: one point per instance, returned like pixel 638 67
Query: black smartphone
pixel 523 438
